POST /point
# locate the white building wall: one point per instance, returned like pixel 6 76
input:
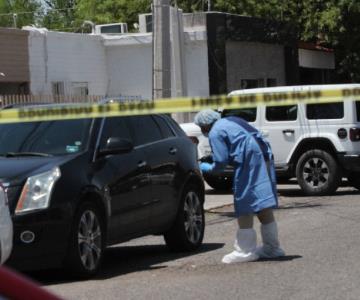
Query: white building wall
pixel 129 63
pixel 197 68
pixel 110 65
pixel 130 70
pixel 68 58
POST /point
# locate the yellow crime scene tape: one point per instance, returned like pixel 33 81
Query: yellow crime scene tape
pixel 68 111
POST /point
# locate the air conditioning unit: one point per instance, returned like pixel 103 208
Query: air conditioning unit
pixel 113 28
pixel 145 23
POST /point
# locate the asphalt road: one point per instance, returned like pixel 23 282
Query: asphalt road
pixel 321 237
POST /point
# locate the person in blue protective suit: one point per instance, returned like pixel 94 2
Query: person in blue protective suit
pixel 233 141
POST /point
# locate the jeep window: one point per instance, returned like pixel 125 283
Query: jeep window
pixel 281 113
pixel 115 127
pixel 325 111
pixel 164 127
pixel 248 114
pixel 50 137
pixel 358 110
pixel 145 130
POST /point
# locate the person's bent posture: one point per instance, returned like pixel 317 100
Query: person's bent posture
pixel 233 141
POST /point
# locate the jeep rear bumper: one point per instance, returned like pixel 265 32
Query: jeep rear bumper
pixel 350 162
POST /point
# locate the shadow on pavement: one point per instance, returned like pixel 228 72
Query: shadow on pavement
pixel 218 192
pixel 120 260
pixel 299 206
pixel 283 258
pixel 295 192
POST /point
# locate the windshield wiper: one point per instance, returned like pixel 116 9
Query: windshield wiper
pixel 17 154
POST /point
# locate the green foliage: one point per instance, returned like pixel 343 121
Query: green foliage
pixel 110 11
pixel 60 15
pixel 27 12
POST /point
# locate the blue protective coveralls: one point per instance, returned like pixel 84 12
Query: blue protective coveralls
pixel 235 142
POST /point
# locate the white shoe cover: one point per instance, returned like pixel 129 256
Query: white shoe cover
pixel 245 247
pixel 236 257
pixel 271 246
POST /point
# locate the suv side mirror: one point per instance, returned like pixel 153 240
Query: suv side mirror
pixel 116 145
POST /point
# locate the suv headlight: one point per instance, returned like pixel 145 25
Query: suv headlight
pixel 37 190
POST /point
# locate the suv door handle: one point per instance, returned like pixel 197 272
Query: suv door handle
pixel 142 164
pixel 173 150
pixel 288 131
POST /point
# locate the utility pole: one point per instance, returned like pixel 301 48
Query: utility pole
pixel 161 49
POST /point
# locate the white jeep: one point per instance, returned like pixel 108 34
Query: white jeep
pixel 316 143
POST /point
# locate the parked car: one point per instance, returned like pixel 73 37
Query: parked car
pixel 77 186
pixel 316 143
pixel 6 227
pixel 17 287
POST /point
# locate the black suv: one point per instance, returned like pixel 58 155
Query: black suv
pixel 77 186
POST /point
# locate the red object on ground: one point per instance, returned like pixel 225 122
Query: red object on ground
pixel 17 287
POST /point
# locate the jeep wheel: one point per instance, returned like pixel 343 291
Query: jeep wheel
pixel 188 230
pixel 218 182
pixel 318 173
pixel 87 241
pixel 354 179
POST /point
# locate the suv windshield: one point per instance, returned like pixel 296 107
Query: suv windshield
pixel 50 137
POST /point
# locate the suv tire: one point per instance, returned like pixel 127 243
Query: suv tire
pixel 354 179
pixel 188 230
pixel 87 241
pixel 318 173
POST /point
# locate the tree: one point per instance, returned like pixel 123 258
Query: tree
pixel 60 15
pixel 110 11
pixel 19 13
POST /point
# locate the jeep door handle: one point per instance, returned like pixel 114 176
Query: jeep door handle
pixel 173 150
pixel 288 131
pixel 264 133
pixel 142 164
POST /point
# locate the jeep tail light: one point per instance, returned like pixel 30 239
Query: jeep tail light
pixel 194 139
pixel 355 134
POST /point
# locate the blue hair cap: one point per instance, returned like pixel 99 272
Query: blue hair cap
pixel 206 117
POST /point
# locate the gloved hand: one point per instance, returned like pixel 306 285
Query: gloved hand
pixel 205 167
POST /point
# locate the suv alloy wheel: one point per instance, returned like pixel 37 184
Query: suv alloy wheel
pixel 318 173
pixel 188 230
pixel 87 241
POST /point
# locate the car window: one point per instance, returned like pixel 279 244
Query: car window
pixel 145 130
pixel 281 113
pixel 115 127
pixel 325 111
pixel 358 110
pixel 164 127
pixel 50 137
pixel 248 114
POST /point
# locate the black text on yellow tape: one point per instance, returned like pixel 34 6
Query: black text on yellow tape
pixel 174 105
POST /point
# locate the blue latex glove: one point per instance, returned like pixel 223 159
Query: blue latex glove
pixel 206 167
